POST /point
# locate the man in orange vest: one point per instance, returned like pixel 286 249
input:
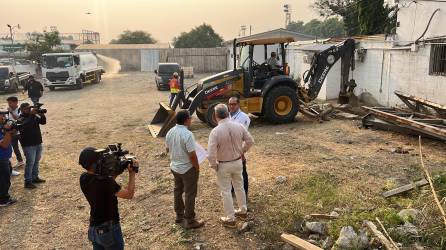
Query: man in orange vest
pixel 175 87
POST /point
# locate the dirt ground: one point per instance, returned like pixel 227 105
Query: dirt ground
pixel 55 216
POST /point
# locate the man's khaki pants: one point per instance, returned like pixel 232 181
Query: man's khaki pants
pixel 231 172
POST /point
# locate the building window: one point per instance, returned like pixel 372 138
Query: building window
pixel 438 60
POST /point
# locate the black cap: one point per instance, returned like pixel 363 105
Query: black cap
pixel 24 105
pixel 87 157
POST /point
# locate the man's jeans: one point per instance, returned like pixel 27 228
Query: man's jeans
pixel 34 99
pixel 185 183
pixel 32 155
pixel 106 236
pixel 231 172
pixel 5 180
pixel 15 146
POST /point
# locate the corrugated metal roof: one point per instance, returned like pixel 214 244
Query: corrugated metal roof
pixel 122 46
pixel 274 34
pixel 314 47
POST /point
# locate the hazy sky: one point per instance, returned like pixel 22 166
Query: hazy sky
pixel 164 19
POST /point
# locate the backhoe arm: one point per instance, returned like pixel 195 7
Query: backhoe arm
pixel 323 62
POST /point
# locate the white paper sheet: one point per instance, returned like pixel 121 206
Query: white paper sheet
pixel 201 153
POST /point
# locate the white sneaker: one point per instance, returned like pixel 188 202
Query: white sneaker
pixel 19 164
pixel 15 173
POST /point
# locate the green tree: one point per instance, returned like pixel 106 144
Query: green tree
pixel 360 16
pixel 202 36
pixel 371 16
pixel 331 27
pixel 134 37
pixel 42 43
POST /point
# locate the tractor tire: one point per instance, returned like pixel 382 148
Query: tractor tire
pixel 210 117
pixel 201 116
pixel 281 105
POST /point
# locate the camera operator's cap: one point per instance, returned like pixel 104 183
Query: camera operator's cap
pixel 87 157
pixel 24 105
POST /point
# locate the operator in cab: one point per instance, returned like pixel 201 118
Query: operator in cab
pixel 273 61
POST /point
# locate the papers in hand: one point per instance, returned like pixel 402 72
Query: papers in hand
pixel 201 153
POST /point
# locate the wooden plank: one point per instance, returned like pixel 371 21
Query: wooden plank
pixel 298 242
pixel 419 126
pixel 405 188
pixel 380 236
pixel 324 216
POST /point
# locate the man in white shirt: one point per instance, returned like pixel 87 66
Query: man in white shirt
pixel 240 117
pixel 227 143
pixel 14 114
pixel 185 168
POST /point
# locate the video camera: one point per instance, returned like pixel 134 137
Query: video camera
pixel 38 108
pixel 113 160
pixel 9 123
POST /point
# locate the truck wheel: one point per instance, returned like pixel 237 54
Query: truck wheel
pixel 210 117
pixel 281 105
pixel 201 116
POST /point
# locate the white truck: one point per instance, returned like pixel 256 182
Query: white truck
pixel 10 80
pixel 70 69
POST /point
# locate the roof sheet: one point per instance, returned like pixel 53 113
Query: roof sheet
pixel 122 46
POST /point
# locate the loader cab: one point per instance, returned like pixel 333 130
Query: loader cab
pixel 254 62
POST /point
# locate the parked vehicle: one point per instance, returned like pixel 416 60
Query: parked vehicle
pixel 164 74
pixel 10 80
pixel 70 69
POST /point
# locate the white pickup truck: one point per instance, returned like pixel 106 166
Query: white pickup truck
pixel 70 69
pixel 10 80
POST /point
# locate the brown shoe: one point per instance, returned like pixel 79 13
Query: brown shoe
pixel 241 215
pixel 228 223
pixel 194 224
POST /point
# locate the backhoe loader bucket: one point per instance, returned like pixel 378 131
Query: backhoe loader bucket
pixel 163 121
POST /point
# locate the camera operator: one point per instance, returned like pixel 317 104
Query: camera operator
pixel 31 140
pixel 102 192
pixel 13 115
pixel 5 164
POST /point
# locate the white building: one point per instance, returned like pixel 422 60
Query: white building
pixel 413 61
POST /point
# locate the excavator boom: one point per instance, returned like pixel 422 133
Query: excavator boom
pixel 323 62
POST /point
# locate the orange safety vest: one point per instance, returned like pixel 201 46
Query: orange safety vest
pixel 174 86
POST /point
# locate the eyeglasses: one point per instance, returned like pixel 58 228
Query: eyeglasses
pixel 232 104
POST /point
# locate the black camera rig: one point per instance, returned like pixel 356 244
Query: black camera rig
pixel 113 160
pixel 38 108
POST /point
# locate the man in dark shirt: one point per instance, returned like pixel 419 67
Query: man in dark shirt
pixel 35 90
pixel 101 193
pixel 5 165
pixel 31 141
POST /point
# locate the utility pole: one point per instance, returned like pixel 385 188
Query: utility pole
pixel 287 11
pixel 11 33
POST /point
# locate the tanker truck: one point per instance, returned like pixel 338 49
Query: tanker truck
pixel 70 69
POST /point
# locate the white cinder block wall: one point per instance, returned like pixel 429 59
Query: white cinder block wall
pixel 383 71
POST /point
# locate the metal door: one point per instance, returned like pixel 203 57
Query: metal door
pixel 149 59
